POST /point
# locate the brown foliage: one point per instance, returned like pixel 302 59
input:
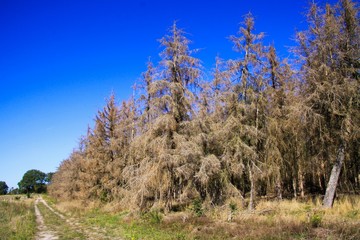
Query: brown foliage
pixel 261 127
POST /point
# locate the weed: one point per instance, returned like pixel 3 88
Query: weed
pixel 152 217
pixel 180 236
pixel 197 207
pixel 315 220
pixel 155 217
pixel 104 197
pixel 233 209
pixel 353 214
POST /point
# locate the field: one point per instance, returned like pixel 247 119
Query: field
pixel 288 219
pixel 17 218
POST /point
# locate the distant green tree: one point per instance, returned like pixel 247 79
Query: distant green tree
pixel 48 177
pixel 13 191
pixel 33 181
pixel 3 188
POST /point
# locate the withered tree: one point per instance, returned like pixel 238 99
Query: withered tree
pixel 330 50
pixel 260 126
pixel 245 108
pixel 101 153
pixel 165 158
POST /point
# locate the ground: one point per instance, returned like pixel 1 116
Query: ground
pixel 44 218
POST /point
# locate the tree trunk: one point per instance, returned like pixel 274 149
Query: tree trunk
pixel 278 188
pixel 252 188
pixel 301 183
pixel 294 184
pixel 334 177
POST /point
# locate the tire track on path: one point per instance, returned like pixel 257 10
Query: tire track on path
pixel 43 233
pixel 90 233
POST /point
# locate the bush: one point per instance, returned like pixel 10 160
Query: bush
pixel 197 207
pixel 315 220
pixel 233 207
pixel 153 217
pixel 104 197
pixel 353 214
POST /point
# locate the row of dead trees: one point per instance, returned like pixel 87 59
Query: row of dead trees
pixel 260 127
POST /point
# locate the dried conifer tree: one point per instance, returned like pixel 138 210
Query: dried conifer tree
pixel 221 90
pixel 66 183
pixel 145 97
pixel 242 102
pixel 246 107
pixel 125 132
pixel 209 182
pixel 331 82
pixel 165 158
pixel 255 129
pixel 276 144
pixel 101 153
pixel 216 173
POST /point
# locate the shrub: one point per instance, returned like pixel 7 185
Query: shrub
pixel 233 207
pixel 153 217
pixel 353 214
pixel 315 220
pixel 197 207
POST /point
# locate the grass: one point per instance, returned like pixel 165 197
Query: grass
pixel 287 219
pixel 17 219
pixel 148 226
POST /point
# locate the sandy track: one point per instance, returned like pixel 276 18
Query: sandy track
pixel 44 233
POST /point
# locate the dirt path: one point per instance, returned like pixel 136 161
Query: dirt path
pixel 44 233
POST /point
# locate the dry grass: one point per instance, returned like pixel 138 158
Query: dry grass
pixel 287 219
pixel 72 208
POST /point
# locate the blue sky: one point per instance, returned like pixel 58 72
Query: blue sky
pixel 60 60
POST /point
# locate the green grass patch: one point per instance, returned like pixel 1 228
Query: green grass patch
pixel 147 226
pixel 107 220
pixel 138 229
pixel 17 220
pixel 51 201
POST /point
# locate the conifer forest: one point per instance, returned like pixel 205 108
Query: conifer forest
pixel 257 127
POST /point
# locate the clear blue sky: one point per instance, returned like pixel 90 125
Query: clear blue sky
pixel 60 60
